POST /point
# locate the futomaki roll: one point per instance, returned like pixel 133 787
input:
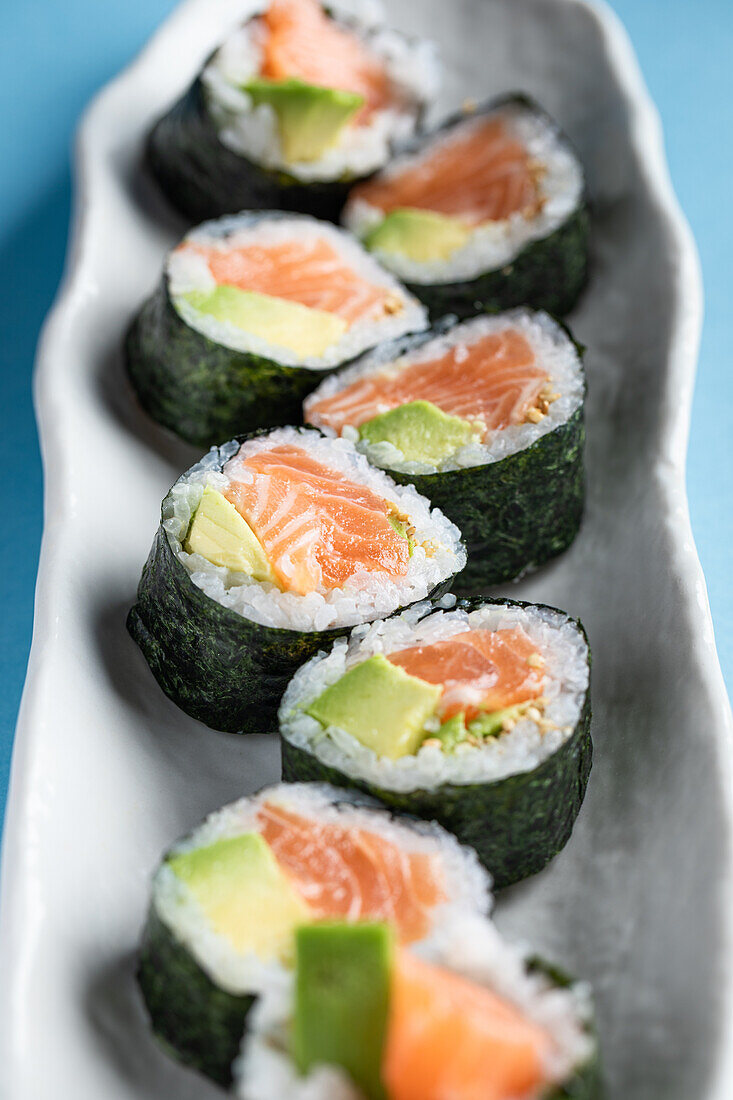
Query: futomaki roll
pixel 477 717
pixel 485 418
pixel 250 314
pixel 361 1017
pixel 228 898
pixel 268 549
pixel 296 104
pixel 486 212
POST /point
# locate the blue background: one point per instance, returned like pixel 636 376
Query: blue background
pixel 54 56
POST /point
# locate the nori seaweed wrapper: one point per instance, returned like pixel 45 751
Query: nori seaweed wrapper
pixel 227 671
pixel 516 824
pixel 549 273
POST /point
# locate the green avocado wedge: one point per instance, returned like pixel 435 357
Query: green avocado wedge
pixel 310 118
pixel 516 824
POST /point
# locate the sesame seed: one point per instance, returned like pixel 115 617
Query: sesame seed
pixel 432 743
pixel 536 660
pixel 535 415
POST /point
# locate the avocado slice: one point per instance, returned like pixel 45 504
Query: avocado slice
pixel 400 526
pixel 286 324
pixel 490 723
pixel 422 431
pixel 342 991
pixel 421 235
pixel 310 119
pixel 244 894
pixel 452 732
pixel 379 704
pixel 221 535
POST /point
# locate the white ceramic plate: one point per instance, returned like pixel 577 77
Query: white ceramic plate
pixel 107 771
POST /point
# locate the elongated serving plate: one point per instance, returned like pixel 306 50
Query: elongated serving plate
pixel 106 770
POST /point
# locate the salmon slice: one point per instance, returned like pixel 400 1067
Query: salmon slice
pixel 302 41
pixel 310 272
pixel 494 381
pixel 352 873
pixel 479 174
pixel 317 526
pixel 450 1039
pixel 479 670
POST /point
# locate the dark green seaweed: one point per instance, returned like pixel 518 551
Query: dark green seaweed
pixel 516 824
pixel 586 1082
pixel 218 666
pixel 204 391
pixel 548 273
pixel 195 1021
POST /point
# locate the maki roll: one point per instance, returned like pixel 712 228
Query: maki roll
pixel 488 212
pixel 361 1017
pixel 269 549
pixel 477 717
pixel 486 419
pixel 298 103
pixel 250 313
pixel 227 899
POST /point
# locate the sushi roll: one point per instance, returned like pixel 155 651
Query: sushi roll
pixel 485 418
pixel 227 899
pixel 250 314
pixel 361 1017
pixel 477 717
pixel 488 212
pixel 298 103
pixel 268 549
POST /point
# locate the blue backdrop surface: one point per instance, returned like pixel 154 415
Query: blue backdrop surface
pixel 53 57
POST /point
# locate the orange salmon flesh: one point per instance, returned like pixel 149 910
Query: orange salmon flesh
pixel 450 1039
pixel 493 381
pixel 317 527
pixel 479 174
pixel 309 272
pixel 301 41
pixel 353 873
pixel 479 670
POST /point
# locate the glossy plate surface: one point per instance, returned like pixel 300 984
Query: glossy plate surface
pixel 107 772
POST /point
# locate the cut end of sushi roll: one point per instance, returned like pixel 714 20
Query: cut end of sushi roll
pixel 228 900
pixel 362 1019
pixel 286 287
pixel 465 395
pixel 304 88
pixel 295 530
pixel 471 200
pixel 476 716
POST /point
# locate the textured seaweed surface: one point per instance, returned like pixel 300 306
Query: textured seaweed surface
pixel 203 179
pixel 195 1020
pixel 201 390
pixel 517 513
pixel 516 824
pixel 586 1082
pixel 548 274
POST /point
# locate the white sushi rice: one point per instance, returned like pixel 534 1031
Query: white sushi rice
pixel 469 946
pixel 492 244
pixel 412 69
pixel 366 596
pixel 188 271
pixel 559 641
pixel 467 885
pixel 553 350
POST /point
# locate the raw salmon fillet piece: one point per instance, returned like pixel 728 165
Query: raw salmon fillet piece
pixel 479 174
pixel 343 872
pixel 450 1039
pixel 310 272
pixel 301 41
pixel 318 528
pixel 493 381
pixel 480 670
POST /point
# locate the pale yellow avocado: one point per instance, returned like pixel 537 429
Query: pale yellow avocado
pixel 421 235
pixel 244 894
pixel 305 331
pixel 379 704
pixel 422 431
pixel 222 536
